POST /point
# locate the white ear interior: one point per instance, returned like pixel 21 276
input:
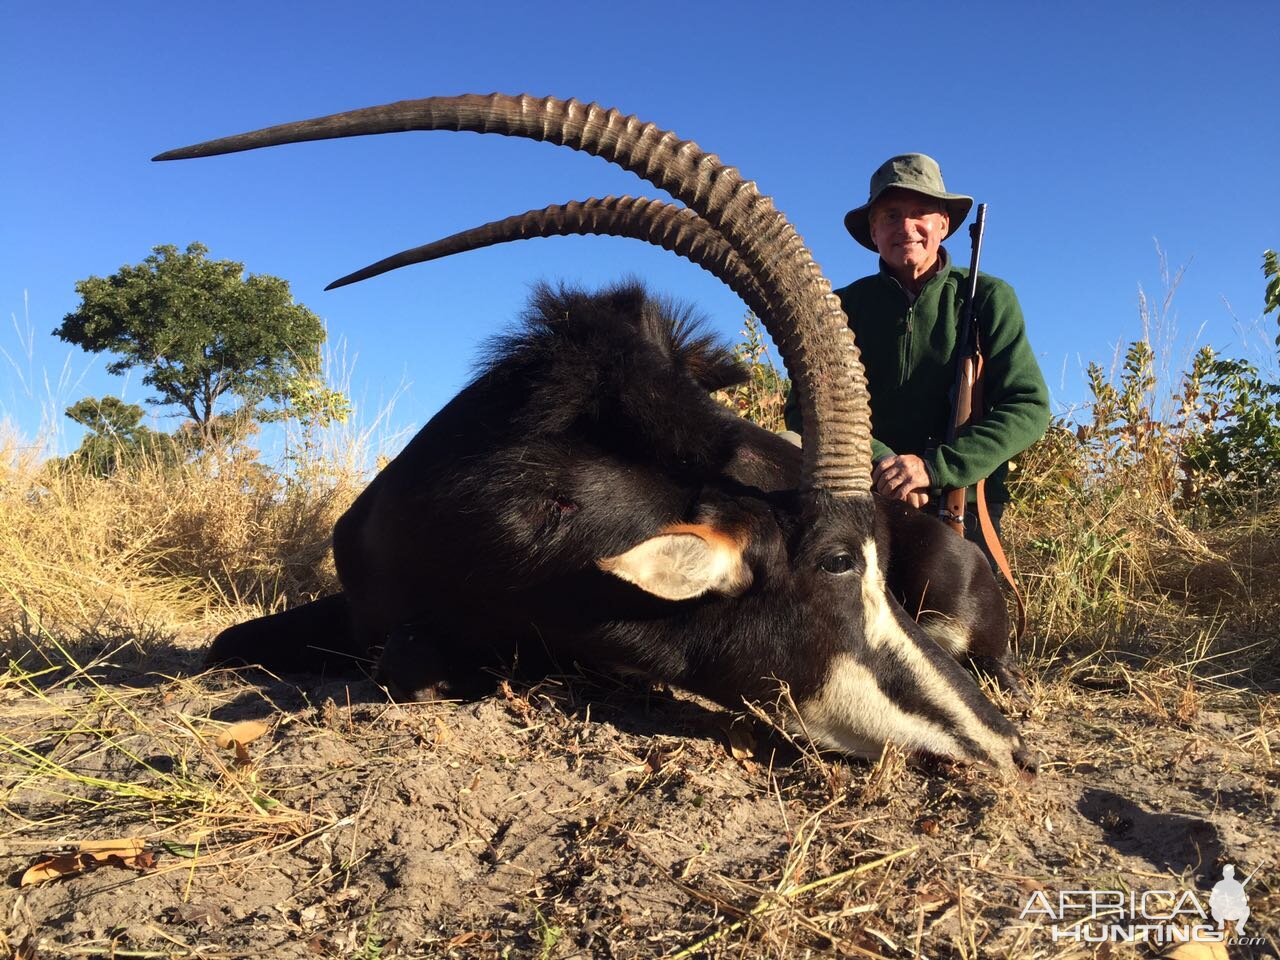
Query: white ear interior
pixel 683 565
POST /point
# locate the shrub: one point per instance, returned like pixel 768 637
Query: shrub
pixel 763 398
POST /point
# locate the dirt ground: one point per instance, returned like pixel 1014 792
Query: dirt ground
pixel 581 818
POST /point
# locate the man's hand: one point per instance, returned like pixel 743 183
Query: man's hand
pixel 902 477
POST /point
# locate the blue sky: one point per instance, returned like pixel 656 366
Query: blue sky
pixel 1093 131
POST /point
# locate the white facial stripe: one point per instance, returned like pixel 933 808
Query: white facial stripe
pixel 852 713
pixel 951 635
pixel 881 625
pixel 884 631
pixel 948 632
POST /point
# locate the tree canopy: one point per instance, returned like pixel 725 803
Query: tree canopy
pixel 201 330
pixel 116 436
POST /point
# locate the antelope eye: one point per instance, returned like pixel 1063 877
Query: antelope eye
pixel 837 563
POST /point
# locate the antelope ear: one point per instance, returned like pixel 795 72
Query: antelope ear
pixel 683 562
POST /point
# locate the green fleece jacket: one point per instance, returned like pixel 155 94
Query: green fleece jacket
pixel 909 353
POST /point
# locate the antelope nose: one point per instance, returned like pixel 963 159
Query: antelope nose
pixel 1024 761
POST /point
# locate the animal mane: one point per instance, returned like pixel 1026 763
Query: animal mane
pixel 629 371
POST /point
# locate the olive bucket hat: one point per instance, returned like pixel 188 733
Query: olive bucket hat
pixel 909 171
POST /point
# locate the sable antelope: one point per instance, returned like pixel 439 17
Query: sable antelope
pixel 584 498
pixel 943 581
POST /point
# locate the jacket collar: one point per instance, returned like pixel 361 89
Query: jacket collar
pixel 944 269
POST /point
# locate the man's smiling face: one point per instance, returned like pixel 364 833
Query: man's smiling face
pixel 907 229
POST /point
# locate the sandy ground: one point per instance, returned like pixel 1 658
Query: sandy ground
pixel 579 818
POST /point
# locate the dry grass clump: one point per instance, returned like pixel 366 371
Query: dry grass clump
pixel 1113 564
pixel 154 546
pixel 1240 578
pixel 1088 539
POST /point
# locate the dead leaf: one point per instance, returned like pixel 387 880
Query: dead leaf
pixel 443 733
pixel 131 854
pixel 241 734
pixel 742 743
pixel 516 704
pixel 657 758
pixel 63 865
pixel 105 849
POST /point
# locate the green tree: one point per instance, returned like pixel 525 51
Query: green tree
pixel 116 437
pixel 1235 458
pixel 202 331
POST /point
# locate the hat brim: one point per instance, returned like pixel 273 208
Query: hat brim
pixel 857 221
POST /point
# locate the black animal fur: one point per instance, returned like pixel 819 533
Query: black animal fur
pixel 584 433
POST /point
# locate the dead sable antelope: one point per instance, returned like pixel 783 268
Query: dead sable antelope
pixel 942 581
pixel 585 499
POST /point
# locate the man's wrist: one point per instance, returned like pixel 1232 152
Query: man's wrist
pixel 934 485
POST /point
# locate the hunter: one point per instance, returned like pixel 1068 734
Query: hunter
pixel 906 319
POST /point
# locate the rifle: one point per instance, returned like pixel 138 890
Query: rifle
pixel 967 391
pixel 967 400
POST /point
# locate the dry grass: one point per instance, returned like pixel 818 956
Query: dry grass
pixel 156 549
pixel 93 753
pixel 1114 571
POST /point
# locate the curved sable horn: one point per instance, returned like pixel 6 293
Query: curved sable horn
pixel 677 229
pixel 806 321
